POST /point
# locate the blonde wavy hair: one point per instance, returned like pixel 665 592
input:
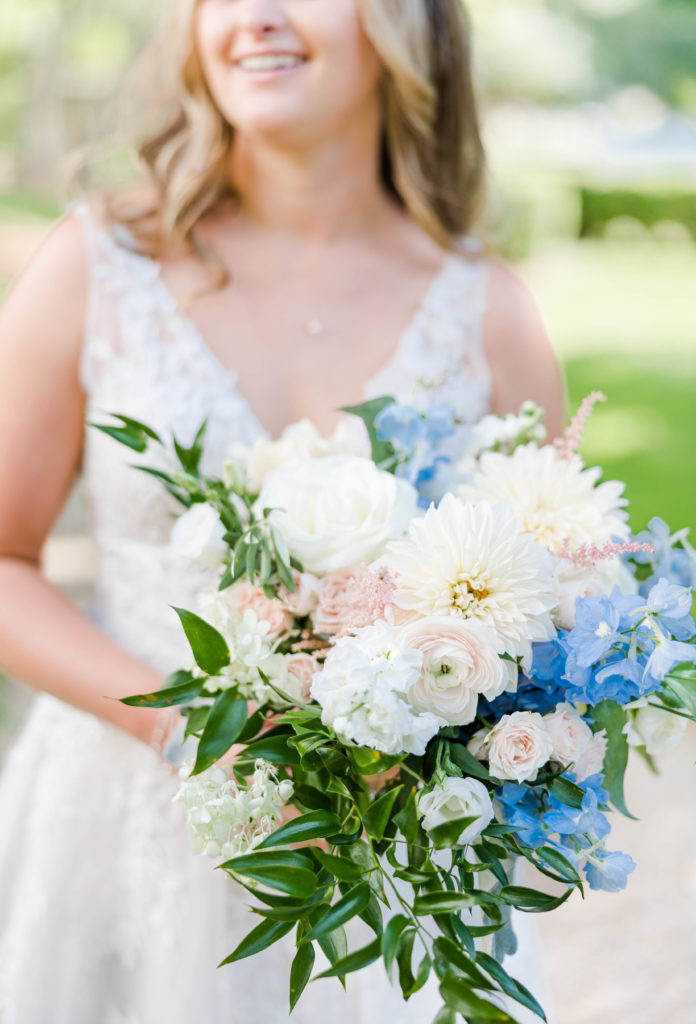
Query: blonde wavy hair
pixel 432 159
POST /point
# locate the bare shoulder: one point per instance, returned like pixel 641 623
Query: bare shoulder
pixel 45 307
pixel 523 363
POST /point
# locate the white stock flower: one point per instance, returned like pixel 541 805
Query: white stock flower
pixel 472 561
pixel 460 662
pixel 574 742
pixel 364 689
pixel 556 498
pixel 198 535
pixel 224 820
pixel 518 746
pixel 299 441
pixel 457 798
pixel 337 511
pixel 656 730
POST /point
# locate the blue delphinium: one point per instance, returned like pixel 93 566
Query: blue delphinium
pixel 419 441
pixel 672 558
pixel 623 645
pixel 540 818
pixel 541 690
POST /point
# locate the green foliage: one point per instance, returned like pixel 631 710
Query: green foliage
pixel 179 688
pixel 207 645
pixel 611 716
pixel 224 724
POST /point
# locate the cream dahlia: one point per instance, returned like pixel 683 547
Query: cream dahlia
pixel 474 561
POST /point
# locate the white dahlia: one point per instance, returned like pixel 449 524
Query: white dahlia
pixel 556 498
pixel 473 561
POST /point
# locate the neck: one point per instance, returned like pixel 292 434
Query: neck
pixel 318 194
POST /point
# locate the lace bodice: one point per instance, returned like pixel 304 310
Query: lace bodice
pixel 145 358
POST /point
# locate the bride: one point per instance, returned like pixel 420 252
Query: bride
pixel 303 241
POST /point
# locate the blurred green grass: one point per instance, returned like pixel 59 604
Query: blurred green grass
pixel 623 318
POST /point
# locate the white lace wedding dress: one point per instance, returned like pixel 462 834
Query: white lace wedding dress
pixel 105 915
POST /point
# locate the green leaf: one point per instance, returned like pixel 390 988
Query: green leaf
pixel 682 682
pixel 510 986
pixel 354 961
pixel 422 975
pixel 372 914
pixel 368 413
pixel 446 1016
pixel 378 814
pixel 131 433
pixel 334 945
pixel 407 820
pixel 611 716
pixel 190 457
pixel 469 764
pixel 226 720
pixel 313 825
pixel 286 871
pixel 445 836
pixel 449 953
pixel 459 997
pixel 263 936
pixel 300 972
pixel 530 900
pixel 391 937
pixel 567 792
pixel 560 864
pixel 272 748
pixel 403 960
pixel 195 719
pixel 340 867
pixel 208 646
pixel 350 905
pixel 179 688
pixel 443 902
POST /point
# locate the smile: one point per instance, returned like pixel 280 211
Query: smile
pixel 270 62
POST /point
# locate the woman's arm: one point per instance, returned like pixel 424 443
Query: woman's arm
pixel 522 361
pixel 44 640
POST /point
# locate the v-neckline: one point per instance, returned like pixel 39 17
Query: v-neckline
pixel 190 330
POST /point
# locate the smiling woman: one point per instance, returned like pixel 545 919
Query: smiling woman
pixel 325 161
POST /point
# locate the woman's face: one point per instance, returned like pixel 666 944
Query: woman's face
pixel 300 70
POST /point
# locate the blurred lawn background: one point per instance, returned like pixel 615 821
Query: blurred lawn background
pixel 590 123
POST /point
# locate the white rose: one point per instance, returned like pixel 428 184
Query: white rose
pixel 300 441
pixel 574 742
pixel 197 535
pixel 460 661
pixel 337 511
pixel 656 730
pixel 518 746
pixel 457 798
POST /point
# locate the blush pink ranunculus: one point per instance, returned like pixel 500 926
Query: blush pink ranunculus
pixel 302 667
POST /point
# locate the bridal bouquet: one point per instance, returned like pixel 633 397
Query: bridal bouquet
pixel 428 648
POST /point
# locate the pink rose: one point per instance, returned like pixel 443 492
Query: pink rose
pixel 302 667
pixel 304 599
pixel 460 661
pixel 518 746
pixel 338 610
pixel 245 596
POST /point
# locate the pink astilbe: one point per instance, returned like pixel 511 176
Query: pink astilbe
pixel 586 556
pixel 570 443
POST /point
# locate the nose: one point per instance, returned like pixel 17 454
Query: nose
pixel 261 16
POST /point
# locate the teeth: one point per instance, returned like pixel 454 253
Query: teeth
pixel 269 62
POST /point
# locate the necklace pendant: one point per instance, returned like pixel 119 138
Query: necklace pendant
pixel 315 326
